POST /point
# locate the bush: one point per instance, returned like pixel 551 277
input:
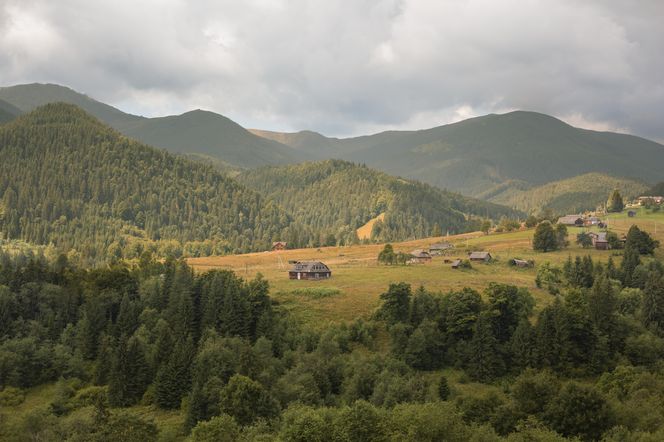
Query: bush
pixel 11 397
pixel 221 428
pixel 316 292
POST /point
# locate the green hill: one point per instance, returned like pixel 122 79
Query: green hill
pixel 476 155
pixel 338 197
pixel 8 112
pixel 209 134
pixel 571 195
pixel 69 180
pixel 656 190
pixel 198 133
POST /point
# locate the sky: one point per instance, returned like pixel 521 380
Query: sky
pixel 349 67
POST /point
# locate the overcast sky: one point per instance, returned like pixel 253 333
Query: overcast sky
pixel 349 67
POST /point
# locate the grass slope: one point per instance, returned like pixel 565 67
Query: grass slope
pixel 475 155
pixel 571 195
pixel 360 280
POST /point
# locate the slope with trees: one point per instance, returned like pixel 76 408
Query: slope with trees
pixel 338 197
pixel 67 179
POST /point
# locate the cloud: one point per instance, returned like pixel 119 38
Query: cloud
pixel 347 67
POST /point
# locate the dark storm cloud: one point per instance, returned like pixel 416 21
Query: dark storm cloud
pixel 349 67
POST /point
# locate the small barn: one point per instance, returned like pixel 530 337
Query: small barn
pixel 592 221
pixel 571 220
pixel 420 256
pixel 631 213
pixel 439 248
pixel 279 245
pixel 456 263
pixel 522 263
pixel 480 256
pixel 600 241
pixel 309 270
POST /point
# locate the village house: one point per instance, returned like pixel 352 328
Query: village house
pixel 439 248
pixel 480 256
pixel 419 256
pixel 521 263
pixel 571 220
pixel 655 199
pixel 456 263
pixel 599 240
pixel 309 270
pixel 279 245
pixel 592 221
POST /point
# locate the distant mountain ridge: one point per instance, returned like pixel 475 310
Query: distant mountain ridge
pixel 475 155
pixel 8 112
pixel 199 133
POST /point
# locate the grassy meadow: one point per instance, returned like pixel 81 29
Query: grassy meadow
pixel 358 280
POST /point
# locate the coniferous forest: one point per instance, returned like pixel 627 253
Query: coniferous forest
pixel 238 366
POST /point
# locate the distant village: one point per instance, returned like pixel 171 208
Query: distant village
pixel 317 270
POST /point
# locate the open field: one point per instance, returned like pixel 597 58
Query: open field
pixel 360 280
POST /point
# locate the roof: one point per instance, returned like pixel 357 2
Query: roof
pixel 277 243
pixel 520 261
pixel 601 237
pixel 419 253
pixel 456 263
pixel 569 219
pixel 480 255
pixel 310 266
pixel 440 246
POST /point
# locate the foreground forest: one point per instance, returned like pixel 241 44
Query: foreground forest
pixel 224 361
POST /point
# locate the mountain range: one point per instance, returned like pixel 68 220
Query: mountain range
pixel 507 159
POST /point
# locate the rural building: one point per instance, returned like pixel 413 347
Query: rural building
pixel 480 256
pixel 419 256
pixel 521 263
pixel 456 263
pixel 655 199
pixel 571 220
pixel 592 221
pixel 599 240
pixel 279 245
pixel 309 270
pixel 439 248
pixel 631 213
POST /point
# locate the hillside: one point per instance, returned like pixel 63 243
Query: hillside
pixel 209 134
pixel 475 155
pixel 68 179
pixel 8 112
pixel 571 195
pixel 338 197
pixel 199 133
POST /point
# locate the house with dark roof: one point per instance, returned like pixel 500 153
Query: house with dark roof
pixel 419 256
pixel 439 248
pixel 600 241
pixel 480 256
pixel 279 245
pixel 571 220
pixel 309 270
pixel 456 263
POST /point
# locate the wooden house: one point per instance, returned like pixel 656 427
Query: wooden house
pixel 279 245
pixel 480 256
pixel 599 240
pixel 521 263
pixel 309 270
pixel 419 256
pixel 631 213
pixel 439 248
pixel 456 263
pixel 571 220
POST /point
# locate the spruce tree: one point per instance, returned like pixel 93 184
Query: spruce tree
pixel 615 202
pixel 484 362
pixel 174 377
pixel 652 310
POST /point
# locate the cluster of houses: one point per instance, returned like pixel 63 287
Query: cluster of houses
pixel 581 221
pixel 643 200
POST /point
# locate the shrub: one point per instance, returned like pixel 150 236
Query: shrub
pixel 11 397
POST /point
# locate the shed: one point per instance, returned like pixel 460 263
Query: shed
pixel 420 256
pixel 309 270
pixel 439 248
pixel 521 263
pixel 279 245
pixel 599 241
pixel 571 220
pixel 480 256
pixel 631 213
pixel 456 263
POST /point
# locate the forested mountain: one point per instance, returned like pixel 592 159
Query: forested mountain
pixel 338 197
pixel 656 190
pixel 68 179
pixel 478 154
pixel 571 195
pixel 208 134
pixel 8 112
pixel 198 133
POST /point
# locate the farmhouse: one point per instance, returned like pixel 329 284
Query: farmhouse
pixel 439 248
pixel 600 241
pixel 656 199
pixel 279 245
pixel 480 256
pixel 571 220
pixel 592 221
pixel 420 256
pixel 309 270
